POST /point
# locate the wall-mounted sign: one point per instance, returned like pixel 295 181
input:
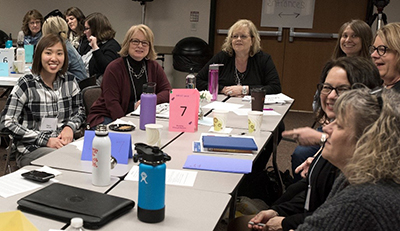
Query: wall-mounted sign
pixel 287 13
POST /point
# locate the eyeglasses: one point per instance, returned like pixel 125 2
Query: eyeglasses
pixel 381 49
pixel 136 42
pixel 35 23
pixel 86 29
pixel 243 37
pixel 326 88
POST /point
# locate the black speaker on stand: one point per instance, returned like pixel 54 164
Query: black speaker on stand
pixel 143 4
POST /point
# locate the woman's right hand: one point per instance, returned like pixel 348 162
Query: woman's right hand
pixel 262 217
pixel 55 142
pixel 304 136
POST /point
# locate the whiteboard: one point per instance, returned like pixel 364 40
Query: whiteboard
pixel 287 13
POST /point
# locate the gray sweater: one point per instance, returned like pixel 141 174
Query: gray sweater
pixel 358 207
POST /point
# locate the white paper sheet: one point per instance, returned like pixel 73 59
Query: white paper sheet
pixel 13 183
pixel 244 111
pixel 223 106
pixel 173 176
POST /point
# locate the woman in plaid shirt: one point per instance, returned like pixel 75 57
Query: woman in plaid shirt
pixel 45 108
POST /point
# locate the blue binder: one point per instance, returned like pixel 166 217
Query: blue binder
pixel 229 143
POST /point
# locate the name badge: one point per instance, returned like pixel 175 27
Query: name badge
pixel 48 124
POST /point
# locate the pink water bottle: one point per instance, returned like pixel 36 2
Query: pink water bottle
pixel 213 80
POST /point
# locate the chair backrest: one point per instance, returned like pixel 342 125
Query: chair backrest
pixel 91 81
pixel 90 95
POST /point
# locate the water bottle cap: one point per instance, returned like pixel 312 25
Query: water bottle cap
pixel 101 130
pixel 149 88
pixel 215 66
pixel 77 222
pixel 150 154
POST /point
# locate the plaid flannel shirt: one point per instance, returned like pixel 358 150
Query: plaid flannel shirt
pixel 31 100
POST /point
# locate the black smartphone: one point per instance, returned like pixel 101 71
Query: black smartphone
pixel 37 176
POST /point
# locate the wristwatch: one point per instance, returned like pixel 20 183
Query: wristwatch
pixel 323 139
pixel 245 90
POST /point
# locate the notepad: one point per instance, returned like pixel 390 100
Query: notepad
pixel 219 164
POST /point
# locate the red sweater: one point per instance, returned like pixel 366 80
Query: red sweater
pixel 116 90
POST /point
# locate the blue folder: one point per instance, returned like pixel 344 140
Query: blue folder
pixel 229 142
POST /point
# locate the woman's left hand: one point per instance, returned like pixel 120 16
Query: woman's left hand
pixel 232 91
pixel 67 135
pixel 275 223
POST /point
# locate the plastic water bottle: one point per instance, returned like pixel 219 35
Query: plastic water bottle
pixel 101 155
pixel 76 224
pixel 213 80
pixel 191 80
pixel 148 103
pixel 152 171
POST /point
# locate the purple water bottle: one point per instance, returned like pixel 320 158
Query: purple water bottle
pixel 213 80
pixel 148 103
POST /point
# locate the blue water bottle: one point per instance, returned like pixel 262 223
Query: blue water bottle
pixel 152 169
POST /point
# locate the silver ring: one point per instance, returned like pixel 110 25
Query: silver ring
pixel 229 92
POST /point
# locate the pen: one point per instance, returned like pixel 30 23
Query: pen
pixel 268 109
pixel 259 224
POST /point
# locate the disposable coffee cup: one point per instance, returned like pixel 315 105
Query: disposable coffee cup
pixel 255 119
pixel 219 119
pixel 257 99
pixel 19 67
pixel 153 134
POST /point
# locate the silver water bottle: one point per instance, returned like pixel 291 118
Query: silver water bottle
pixel 101 155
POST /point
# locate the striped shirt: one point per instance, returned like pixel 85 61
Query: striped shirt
pixel 31 100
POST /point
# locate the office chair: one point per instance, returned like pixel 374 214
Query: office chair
pixel 9 139
pixel 90 95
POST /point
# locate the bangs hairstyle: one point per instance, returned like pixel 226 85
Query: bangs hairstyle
pixel 55 25
pixel 100 26
pixel 148 34
pixel 80 17
pixel 254 36
pixel 358 70
pixel 45 42
pixel 32 14
pixel 390 37
pixel 361 30
pixel 377 156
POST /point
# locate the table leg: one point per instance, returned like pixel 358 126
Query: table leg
pixel 274 159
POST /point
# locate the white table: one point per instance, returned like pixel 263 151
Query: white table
pixel 186 209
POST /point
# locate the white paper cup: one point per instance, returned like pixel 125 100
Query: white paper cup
pixel 255 120
pixel 153 134
pixel 19 67
pixel 219 120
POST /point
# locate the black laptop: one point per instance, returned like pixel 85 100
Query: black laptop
pixel 63 202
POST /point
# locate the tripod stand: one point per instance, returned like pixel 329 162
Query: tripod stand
pixel 143 4
pixel 380 16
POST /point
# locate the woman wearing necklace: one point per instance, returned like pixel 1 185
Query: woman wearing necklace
pixel 124 77
pixel 385 54
pixel 245 66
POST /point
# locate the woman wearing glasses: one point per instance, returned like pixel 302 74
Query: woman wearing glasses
pixel 32 27
pixel 124 78
pixel 292 208
pixel 245 65
pixel 104 48
pixel 385 55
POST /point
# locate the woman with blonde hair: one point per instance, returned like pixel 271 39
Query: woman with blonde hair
pixel 124 78
pixel 366 195
pixel 246 67
pixel 58 26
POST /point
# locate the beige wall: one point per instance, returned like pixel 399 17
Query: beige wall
pixel 169 19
